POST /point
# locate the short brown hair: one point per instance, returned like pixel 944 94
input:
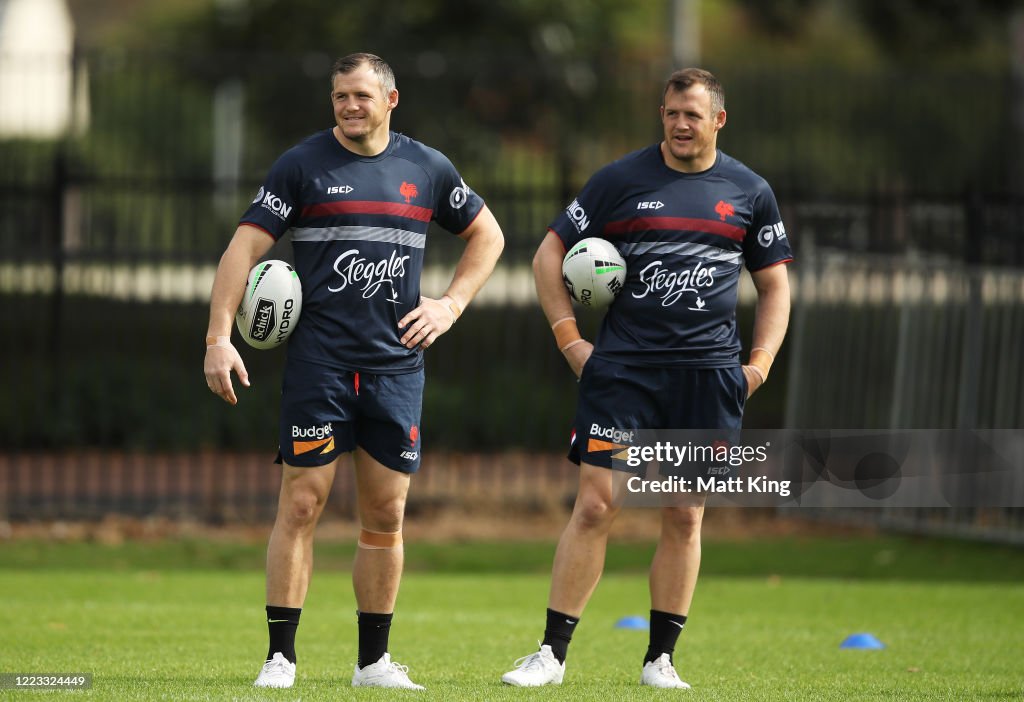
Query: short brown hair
pixel 379 66
pixel 684 78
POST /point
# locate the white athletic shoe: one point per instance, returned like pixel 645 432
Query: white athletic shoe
pixel 536 669
pixel 661 673
pixel 384 673
pixel 277 672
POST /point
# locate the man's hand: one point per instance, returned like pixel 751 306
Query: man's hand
pixel 222 358
pixel 754 379
pixel 577 355
pixel 427 322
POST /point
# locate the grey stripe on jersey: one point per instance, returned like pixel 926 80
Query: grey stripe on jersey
pixel 710 253
pixel 386 235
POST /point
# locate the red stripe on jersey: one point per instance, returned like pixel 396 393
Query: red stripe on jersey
pixel 422 214
pixel 708 226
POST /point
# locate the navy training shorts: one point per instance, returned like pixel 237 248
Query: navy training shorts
pixel 617 401
pixel 326 412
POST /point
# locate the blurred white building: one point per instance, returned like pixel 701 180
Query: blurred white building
pixel 38 95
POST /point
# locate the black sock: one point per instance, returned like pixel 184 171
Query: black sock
pixel 558 633
pixel 665 630
pixel 282 623
pixel 373 636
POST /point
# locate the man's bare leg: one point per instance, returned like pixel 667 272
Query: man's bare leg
pixel 579 559
pixel 304 492
pixel 377 570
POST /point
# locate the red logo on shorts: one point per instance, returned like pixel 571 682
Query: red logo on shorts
pixel 414 433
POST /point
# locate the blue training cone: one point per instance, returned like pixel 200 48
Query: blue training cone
pixel 634 622
pixel 861 641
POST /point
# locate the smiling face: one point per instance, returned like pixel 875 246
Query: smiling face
pixel 691 129
pixel 362 110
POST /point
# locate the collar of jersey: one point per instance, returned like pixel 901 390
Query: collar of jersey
pixel 392 143
pixel 680 174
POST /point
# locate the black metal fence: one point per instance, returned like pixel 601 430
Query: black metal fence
pixel 110 230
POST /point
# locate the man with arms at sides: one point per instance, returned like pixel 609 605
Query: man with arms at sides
pixel 686 218
pixel 357 200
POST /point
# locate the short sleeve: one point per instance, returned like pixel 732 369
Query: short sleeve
pixel 456 205
pixel 276 206
pixel 766 243
pixel 585 216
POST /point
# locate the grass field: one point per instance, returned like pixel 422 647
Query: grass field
pixel 184 621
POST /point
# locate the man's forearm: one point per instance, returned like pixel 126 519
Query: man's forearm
pixel 771 318
pixel 547 276
pixel 484 244
pixel 239 257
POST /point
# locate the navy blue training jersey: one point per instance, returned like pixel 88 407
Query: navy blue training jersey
pixel 685 238
pixel 359 228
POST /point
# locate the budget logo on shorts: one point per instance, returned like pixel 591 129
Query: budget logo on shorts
pixel 616 435
pixel 313 438
pixel 263 320
pixel 609 439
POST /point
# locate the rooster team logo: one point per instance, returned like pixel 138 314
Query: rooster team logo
pixel 724 209
pixel 414 433
pixel 408 191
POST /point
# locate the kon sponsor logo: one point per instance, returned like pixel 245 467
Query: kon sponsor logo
pixel 369 276
pixel 272 202
pixel 670 285
pixel 578 216
pixel 314 432
pixel 612 434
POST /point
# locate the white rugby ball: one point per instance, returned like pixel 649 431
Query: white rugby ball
pixel 594 272
pixel 270 306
